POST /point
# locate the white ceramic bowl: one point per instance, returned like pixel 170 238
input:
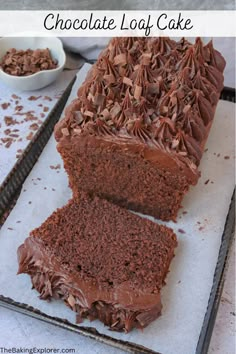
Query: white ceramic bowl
pixel 41 78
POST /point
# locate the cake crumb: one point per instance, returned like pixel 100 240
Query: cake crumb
pixel 181 231
pixel 34 98
pixel 207 181
pixel 9 120
pixel 15 97
pixel 45 109
pixel 185 212
pixel 18 108
pixel 10 228
pixel 226 157
pixel 30 136
pixel 18 221
pixel 56 167
pixel 47 98
pixel 206 150
pixel 201 228
pixel 30 202
pixel 5 105
pixel 218 155
pixel 8 144
pixel 34 126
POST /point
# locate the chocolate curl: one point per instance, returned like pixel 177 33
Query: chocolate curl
pixel 65 132
pixel 78 117
pixel 99 99
pixel 90 97
pixel 137 92
pixel 146 58
pixel 120 59
pixel 77 130
pixel 105 113
pixel 89 114
pixel 116 109
pixel 127 81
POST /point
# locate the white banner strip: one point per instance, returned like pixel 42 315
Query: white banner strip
pixel 118 23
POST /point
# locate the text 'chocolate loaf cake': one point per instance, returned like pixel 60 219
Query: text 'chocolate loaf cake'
pixel 136 133
pixel 102 260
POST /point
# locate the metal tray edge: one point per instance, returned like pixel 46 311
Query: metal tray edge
pixel 14 180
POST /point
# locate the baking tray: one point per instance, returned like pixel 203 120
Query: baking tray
pixel 11 186
pixel 213 303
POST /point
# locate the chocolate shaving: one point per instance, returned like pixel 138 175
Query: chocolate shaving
pixel 120 59
pixel 127 81
pixel 88 113
pixel 115 110
pixel 146 58
pixel 99 99
pixel 137 92
pixel 65 132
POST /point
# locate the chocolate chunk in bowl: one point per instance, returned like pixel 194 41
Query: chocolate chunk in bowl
pixel 27 62
pixel 30 63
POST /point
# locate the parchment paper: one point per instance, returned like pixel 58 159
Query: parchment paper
pixel 199 229
pixel 28 111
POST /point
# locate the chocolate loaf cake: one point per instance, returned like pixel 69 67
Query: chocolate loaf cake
pixel 136 133
pixel 110 264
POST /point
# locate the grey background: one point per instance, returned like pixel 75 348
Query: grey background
pixel 117 5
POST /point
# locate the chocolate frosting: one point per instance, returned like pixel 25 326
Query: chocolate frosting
pixel 120 310
pixel 138 82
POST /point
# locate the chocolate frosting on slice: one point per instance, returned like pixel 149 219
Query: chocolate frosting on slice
pixel 66 261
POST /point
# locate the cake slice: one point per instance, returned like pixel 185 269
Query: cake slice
pixel 103 261
pixel 136 133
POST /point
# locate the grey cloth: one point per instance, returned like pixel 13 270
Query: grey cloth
pixel 116 5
